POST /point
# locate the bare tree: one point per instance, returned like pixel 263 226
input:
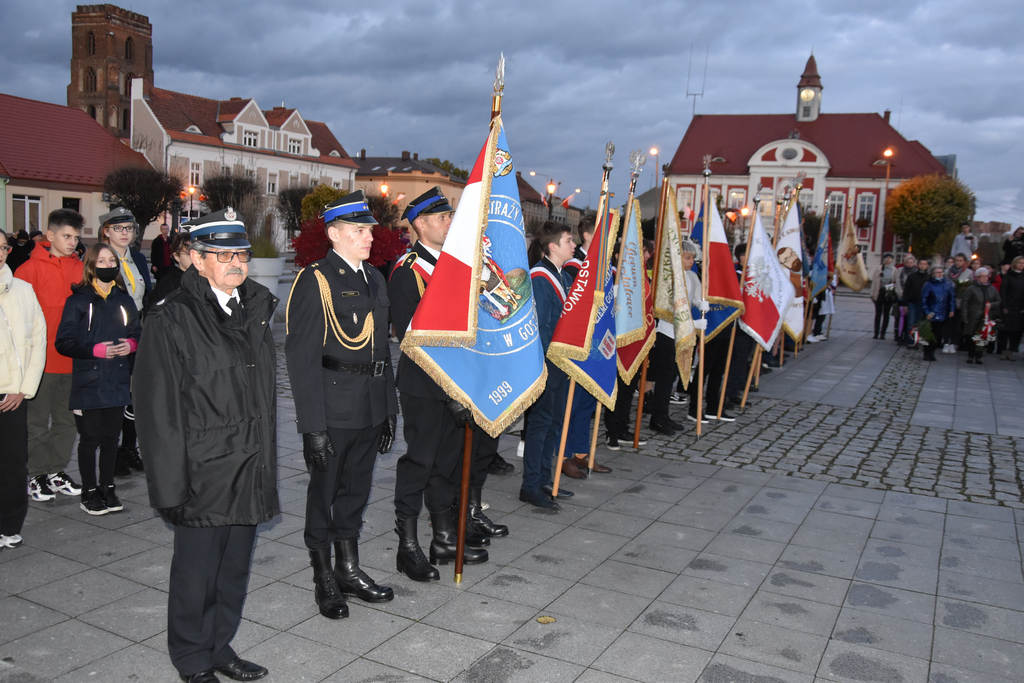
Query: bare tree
pixel 145 192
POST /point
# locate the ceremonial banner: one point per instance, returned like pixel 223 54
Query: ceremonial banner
pixel 819 268
pixel 583 344
pixel 767 290
pixel 849 261
pixel 723 289
pixel 788 250
pixel 629 288
pixel 475 329
pixel 671 302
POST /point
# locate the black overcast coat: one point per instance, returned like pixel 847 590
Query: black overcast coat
pixel 205 408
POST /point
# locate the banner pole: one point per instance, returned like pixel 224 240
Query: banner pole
pixel 593 437
pixel 750 375
pixel 704 291
pixel 642 387
pixel 565 434
pixel 467 457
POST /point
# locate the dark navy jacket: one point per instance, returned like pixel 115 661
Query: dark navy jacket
pixel 89 319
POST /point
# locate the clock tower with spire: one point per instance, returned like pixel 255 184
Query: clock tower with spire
pixel 808 92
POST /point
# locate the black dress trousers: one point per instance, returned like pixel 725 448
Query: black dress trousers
pixel 209 578
pixel 336 497
pixel 427 471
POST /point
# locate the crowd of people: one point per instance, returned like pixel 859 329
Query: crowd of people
pixel 956 304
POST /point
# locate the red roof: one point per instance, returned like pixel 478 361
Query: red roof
pixel 177 111
pixel 45 142
pixel 851 142
pixel 527 193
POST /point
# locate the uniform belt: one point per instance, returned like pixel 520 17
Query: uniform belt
pixel 374 369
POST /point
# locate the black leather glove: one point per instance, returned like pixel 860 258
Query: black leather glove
pixel 387 435
pixel 463 415
pixel 316 449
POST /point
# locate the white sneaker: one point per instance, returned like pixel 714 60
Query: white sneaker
pixel 39 489
pixel 950 348
pixel 12 541
pixel 63 483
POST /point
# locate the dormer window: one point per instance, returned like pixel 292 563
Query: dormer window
pixel 334 153
pixel 194 129
pixel 294 146
pixel 250 138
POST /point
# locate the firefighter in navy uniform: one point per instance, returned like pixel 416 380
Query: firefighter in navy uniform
pixel 433 423
pixel 343 386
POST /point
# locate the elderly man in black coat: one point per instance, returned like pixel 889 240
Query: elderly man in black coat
pixel 204 384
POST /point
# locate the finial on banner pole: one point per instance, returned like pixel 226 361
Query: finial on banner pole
pixel 637 159
pixel 609 152
pixel 499 86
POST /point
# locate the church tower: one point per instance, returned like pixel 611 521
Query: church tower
pixel 808 93
pixel 109 47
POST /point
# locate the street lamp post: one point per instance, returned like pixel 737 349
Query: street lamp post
pixel 653 151
pixel 551 187
pixel 887 154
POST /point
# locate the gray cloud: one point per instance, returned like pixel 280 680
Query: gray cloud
pixel 417 76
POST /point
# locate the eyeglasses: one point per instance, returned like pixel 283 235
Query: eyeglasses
pixel 7 249
pixel 227 256
pixel 122 228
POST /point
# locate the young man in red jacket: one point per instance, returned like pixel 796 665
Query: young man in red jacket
pixel 51 269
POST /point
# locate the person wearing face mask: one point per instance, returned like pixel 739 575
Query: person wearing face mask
pixel 99 330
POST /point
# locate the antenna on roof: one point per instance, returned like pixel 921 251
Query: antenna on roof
pixel 689 68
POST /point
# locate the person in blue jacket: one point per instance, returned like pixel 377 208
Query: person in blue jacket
pixel 552 247
pixel 100 331
pixel 938 303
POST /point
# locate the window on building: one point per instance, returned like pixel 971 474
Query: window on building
pixel 294 146
pixel 129 49
pixel 736 198
pixel 251 138
pixel 126 120
pixel 272 183
pixel 807 200
pixel 26 210
pixel 195 174
pixel 92 111
pixel 806 111
pixel 337 184
pixel 866 208
pixel 225 170
pixel 73 203
pixel 90 43
pixel 128 84
pixel 90 80
pixel 836 207
pixel 250 173
pixel 684 199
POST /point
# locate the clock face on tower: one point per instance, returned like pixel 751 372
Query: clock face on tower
pixel 806 94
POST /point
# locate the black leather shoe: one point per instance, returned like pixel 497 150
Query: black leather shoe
pixel 659 427
pixel 352 580
pixel 539 499
pixel 239 669
pixel 329 598
pixel 500 466
pixel 200 677
pixel 478 521
pixel 410 559
pixel 562 492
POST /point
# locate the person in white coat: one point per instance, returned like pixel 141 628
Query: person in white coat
pixel 22 355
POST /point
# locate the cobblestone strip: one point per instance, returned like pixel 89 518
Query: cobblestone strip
pixel 871 445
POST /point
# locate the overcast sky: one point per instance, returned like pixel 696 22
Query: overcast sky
pixel 417 75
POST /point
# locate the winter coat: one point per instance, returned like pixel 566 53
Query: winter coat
pixel 89 320
pixel 168 282
pixel 913 287
pixel 22 336
pixel 1012 248
pixel 51 279
pixel 881 277
pixel 1012 297
pixel 974 306
pixel 205 406
pixel 938 298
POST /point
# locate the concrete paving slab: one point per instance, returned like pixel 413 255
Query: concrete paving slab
pixel 566 638
pixel 849 662
pixel 516 666
pixel 430 652
pixel 365 628
pixel 642 658
pixel 874 630
pixel 776 646
pixel 978 653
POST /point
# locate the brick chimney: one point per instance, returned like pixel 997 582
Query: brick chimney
pixel 885 115
pixel 362 154
pixel 405 155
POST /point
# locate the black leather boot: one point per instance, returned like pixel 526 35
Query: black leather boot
pixel 326 592
pixel 475 538
pixel 351 579
pixel 410 559
pixel 443 545
pixel 478 521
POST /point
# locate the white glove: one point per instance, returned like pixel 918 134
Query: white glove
pixel 700 324
pixel 703 306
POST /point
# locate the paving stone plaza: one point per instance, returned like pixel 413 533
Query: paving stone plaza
pixel 861 521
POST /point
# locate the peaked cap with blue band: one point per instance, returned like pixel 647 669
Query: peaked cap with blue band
pixel 431 201
pixel 219 230
pixel 352 208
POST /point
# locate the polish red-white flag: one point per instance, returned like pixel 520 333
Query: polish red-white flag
pixel 767 290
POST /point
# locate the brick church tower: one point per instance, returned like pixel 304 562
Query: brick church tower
pixel 109 47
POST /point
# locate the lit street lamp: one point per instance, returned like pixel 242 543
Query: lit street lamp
pixel 552 186
pixel 887 154
pixel 653 151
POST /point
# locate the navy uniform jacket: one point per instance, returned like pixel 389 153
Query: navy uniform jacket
pixel 338 398
pixel 404 292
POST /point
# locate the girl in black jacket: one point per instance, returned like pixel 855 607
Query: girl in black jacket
pixel 100 331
